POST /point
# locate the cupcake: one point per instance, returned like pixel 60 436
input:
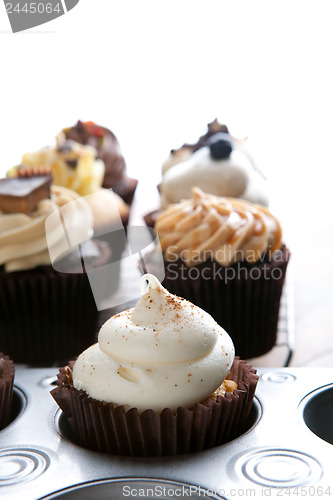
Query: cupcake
pixel 7 372
pixel 108 150
pixel 217 163
pixel 226 255
pixel 46 315
pixel 162 380
pixel 77 167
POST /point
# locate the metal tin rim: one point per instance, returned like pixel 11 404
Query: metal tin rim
pixel 198 491
pixel 305 401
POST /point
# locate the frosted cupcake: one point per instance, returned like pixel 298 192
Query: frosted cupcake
pixel 217 163
pixel 77 167
pixel 45 315
pixel 161 380
pixel 227 256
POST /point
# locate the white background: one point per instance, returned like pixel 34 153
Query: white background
pixel 156 72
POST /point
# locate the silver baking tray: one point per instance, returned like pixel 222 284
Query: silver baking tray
pixel 287 450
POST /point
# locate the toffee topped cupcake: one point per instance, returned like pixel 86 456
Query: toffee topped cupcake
pixel 161 380
pixel 226 255
pixel 45 315
pixel 76 166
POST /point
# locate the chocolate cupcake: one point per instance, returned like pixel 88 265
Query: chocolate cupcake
pixel 7 372
pixel 226 256
pixel 162 380
pixel 46 315
pixel 108 150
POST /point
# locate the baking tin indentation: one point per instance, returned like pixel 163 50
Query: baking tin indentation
pixel 278 377
pixel 18 465
pixel 280 468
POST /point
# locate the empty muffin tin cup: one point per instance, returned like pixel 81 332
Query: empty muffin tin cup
pixel 19 403
pixel 121 488
pixel 317 412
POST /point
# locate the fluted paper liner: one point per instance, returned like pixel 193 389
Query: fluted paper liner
pixel 46 316
pixel 246 306
pixel 125 188
pixel 7 371
pixel 150 218
pixel 109 428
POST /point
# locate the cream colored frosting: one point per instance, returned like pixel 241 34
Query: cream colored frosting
pixel 225 229
pixel 175 157
pixel 23 242
pixel 164 353
pixel 85 177
pixel 107 207
pixel 234 176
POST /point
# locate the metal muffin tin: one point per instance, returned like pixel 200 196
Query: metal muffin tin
pixel 281 453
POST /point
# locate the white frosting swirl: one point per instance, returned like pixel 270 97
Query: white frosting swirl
pixel 233 177
pixel 164 353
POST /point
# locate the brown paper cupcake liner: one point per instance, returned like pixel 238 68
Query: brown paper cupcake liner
pixel 150 218
pixel 7 371
pixel 116 241
pixel 125 188
pixel 114 236
pixel 111 429
pixel 46 316
pixel 246 305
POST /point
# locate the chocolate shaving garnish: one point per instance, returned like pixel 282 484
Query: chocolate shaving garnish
pixel 212 128
pixel 70 155
pixel 22 194
pixel 65 148
pixel 72 163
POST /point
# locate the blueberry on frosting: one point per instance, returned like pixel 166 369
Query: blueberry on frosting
pixel 218 164
pixel 220 145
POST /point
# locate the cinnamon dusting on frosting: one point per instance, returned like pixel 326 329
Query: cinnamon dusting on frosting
pixel 156 357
